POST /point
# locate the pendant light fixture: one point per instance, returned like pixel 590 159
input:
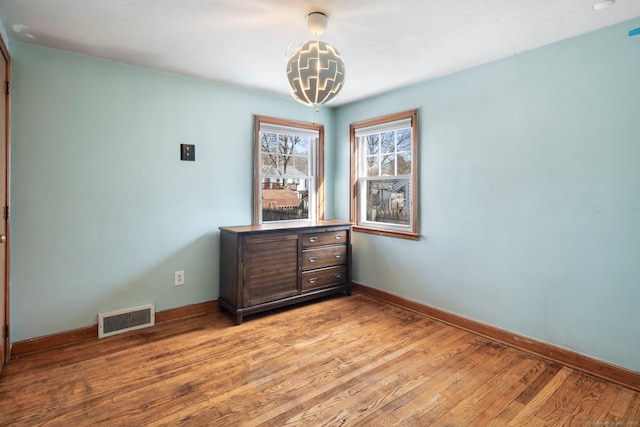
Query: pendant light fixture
pixel 315 69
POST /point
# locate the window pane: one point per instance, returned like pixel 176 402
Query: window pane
pixel 285 143
pixel 301 165
pixel 269 143
pixel 373 168
pixel 287 165
pixel 301 148
pixel 372 144
pixel 403 137
pixel 388 165
pixel 285 199
pixel 387 201
pixel 404 164
pixel 387 143
pixel 271 164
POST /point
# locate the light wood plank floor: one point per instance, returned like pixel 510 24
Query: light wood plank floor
pixel 340 361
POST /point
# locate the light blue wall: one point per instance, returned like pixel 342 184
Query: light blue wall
pixel 103 210
pixel 529 192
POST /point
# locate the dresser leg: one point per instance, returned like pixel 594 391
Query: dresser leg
pixel 238 319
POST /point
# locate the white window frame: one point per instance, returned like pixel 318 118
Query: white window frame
pixel 360 179
pixel 315 177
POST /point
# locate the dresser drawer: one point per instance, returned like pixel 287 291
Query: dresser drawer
pixel 324 238
pixel 324 277
pixel 324 257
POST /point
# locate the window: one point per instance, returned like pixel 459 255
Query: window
pixel 384 172
pixel 288 170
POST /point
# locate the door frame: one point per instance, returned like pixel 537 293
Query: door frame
pixel 6 146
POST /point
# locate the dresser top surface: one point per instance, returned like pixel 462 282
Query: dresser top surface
pixel 284 225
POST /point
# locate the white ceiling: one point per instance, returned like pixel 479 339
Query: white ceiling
pixel 385 44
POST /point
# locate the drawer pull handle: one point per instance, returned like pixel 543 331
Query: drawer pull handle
pixel 338 276
pixel 338 236
pixel 313 280
pixel 312 259
pixel 338 256
pixel 313 239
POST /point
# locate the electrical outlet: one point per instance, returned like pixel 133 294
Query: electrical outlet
pixel 179 278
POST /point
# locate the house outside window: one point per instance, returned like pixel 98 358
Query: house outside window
pixel 384 191
pixel 288 178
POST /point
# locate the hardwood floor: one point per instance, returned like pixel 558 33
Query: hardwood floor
pixel 341 361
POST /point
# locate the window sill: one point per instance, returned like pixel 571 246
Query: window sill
pixel 388 233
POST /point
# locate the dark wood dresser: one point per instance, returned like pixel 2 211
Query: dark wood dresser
pixel 277 264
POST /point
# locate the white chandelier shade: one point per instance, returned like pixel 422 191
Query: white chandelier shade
pixel 315 73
